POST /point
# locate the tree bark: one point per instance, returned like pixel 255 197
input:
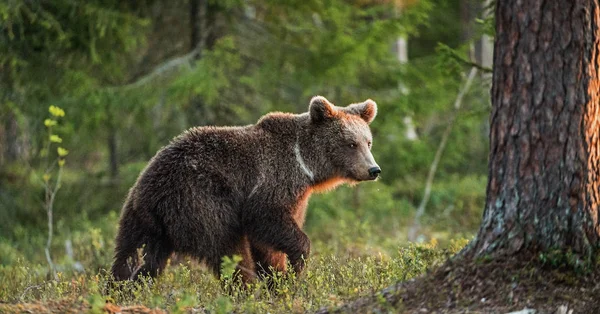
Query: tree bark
pixel 543 188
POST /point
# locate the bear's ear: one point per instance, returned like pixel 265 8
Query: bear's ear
pixel 367 110
pixel 320 109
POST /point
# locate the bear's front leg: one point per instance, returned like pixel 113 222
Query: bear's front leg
pixel 267 260
pixel 277 230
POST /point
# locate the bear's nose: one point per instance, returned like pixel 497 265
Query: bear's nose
pixel 374 172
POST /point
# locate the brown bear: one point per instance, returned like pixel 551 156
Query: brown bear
pixel 219 191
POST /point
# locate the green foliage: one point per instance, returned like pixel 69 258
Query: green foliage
pixel 276 60
pixel 96 303
pixel 488 22
pixel 228 266
pixel 441 25
pixel 120 71
pixel 456 203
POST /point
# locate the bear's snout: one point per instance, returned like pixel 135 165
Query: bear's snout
pixel 374 172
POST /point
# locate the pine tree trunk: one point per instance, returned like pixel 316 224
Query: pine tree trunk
pixel 544 162
pixel 112 152
pixel 197 24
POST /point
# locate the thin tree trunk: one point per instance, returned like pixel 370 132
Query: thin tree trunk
pixel 401 49
pixel 194 23
pixel 113 161
pixel 11 143
pixel 198 25
pixel 14 140
pixel 112 148
pixel 543 188
pixel 484 47
pixel 466 20
pixel 416 226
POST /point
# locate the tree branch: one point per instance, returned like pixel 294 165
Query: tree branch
pixel 161 70
pixel 476 65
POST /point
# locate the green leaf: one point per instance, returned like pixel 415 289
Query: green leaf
pixel 228 265
pixel 49 123
pixel 62 152
pixel 56 111
pixel 55 138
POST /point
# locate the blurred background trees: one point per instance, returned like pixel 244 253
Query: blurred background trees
pixel 132 74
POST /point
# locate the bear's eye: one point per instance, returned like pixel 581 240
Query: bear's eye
pixel 369 144
pixel 352 145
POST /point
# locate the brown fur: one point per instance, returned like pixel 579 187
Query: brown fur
pixel 219 191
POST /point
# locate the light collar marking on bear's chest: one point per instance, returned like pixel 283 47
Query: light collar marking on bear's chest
pixel 301 163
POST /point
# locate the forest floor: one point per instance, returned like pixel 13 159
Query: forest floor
pixel 498 286
pixel 523 285
pixel 68 306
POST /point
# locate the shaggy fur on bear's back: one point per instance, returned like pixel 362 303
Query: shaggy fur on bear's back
pixel 219 191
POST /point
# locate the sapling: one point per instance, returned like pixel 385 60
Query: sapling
pixel 51 186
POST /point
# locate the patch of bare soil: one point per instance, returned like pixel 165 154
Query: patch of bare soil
pixel 499 286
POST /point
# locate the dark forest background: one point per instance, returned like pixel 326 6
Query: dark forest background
pixel 130 75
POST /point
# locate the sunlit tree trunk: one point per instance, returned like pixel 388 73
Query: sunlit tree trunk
pixel 544 162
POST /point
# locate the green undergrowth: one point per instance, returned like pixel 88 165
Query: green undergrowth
pixel 333 276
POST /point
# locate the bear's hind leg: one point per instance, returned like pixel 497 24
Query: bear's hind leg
pixel 126 254
pixel 155 255
pixel 247 267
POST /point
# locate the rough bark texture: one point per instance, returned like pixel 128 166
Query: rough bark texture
pixel 543 189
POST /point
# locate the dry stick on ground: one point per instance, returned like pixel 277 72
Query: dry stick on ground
pixel 414 229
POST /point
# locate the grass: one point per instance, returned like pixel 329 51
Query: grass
pixel 336 273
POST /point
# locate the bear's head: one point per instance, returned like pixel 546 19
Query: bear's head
pixel 344 138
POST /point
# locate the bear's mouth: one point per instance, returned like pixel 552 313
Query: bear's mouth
pixel 356 179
